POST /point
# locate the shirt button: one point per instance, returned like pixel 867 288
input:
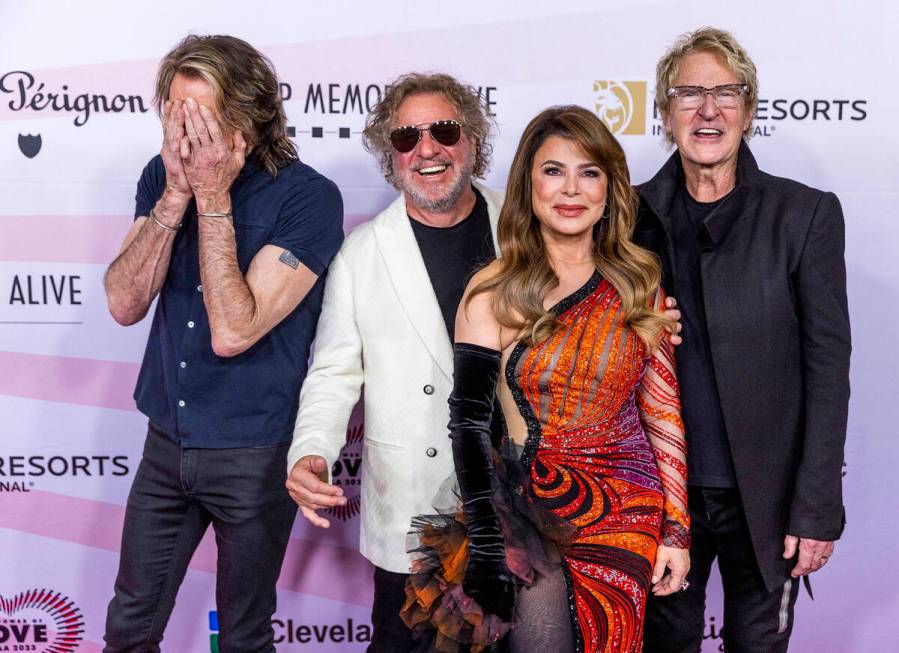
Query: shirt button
pixel 428 389
pixel 431 452
pixel 190 325
pixel 181 403
pixel 183 365
pixel 200 288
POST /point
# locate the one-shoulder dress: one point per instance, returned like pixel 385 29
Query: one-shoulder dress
pixel 605 454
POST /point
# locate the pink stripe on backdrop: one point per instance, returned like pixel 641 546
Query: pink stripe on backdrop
pixel 82 381
pixel 93 239
pixel 63 238
pixel 309 567
pixel 472 48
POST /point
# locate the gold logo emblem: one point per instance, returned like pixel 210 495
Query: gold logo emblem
pixel 621 106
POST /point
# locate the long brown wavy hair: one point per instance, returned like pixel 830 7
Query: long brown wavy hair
pixel 525 275
pixel 246 92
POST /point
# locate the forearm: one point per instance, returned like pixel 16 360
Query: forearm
pixel 136 276
pixel 230 304
pixel 334 383
pixel 327 399
pixel 659 405
pixel 471 405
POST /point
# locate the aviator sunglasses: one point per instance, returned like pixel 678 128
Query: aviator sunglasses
pixel 446 132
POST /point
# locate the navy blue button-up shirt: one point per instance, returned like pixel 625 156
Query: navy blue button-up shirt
pixel 207 401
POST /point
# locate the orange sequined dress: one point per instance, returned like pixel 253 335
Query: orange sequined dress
pixel 606 452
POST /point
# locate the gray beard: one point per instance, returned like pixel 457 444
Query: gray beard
pixel 446 203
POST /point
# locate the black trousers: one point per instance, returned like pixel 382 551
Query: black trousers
pixel 755 620
pixel 176 494
pixel 389 633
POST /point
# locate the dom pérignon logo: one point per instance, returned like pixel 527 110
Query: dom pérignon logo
pixel 29 145
pixel 621 105
pixel 40 620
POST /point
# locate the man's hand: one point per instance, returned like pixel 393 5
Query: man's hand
pixel 211 162
pixel 813 554
pixel 307 486
pixel 677 562
pixel 172 134
pixel 672 312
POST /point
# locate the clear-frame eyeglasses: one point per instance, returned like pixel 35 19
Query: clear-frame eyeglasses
pixel 726 96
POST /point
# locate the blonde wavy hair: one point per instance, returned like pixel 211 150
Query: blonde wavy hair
pixel 718 42
pixel 525 275
pixel 247 96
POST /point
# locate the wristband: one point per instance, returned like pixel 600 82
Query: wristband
pixel 163 225
pixel 213 214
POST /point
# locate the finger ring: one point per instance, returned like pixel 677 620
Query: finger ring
pixel 684 585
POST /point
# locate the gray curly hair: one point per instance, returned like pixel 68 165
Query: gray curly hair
pixel 474 116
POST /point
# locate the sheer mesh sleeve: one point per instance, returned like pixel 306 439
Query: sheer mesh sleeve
pixel 659 406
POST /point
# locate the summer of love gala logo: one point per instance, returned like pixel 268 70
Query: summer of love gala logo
pixel 40 620
pixel 621 105
pixel 345 473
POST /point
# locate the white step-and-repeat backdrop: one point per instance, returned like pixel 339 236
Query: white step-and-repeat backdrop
pixel 77 126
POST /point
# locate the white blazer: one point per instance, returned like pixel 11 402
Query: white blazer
pixel 381 328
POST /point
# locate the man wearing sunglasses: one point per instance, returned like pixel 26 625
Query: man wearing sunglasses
pixel 756 263
pixel 387 323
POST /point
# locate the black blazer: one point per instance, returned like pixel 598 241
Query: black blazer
pixel 774 287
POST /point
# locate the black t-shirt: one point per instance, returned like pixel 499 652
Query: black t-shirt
pixel 453 254
pixel 708 452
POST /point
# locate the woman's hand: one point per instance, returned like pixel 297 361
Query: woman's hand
pixel 670 571
pixel 490 583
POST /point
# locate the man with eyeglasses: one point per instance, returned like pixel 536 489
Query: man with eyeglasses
pixel 387 324
pixel 756 263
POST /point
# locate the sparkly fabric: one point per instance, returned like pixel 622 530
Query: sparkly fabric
pixel 605 452
pixel 599 484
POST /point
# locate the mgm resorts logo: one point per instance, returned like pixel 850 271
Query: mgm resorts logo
pixel 17 473
pixel 624 107
pixel 621 105
pixel 42 621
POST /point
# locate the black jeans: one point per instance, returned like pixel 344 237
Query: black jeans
pixel 176 494
pixel 755 620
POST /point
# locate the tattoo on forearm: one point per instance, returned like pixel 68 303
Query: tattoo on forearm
pixel 287 258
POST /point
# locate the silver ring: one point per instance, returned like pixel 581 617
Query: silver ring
pixel 684 585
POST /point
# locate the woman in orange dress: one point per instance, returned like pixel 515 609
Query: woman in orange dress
pixel 561 537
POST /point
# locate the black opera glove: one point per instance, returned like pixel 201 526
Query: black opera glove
pixel 487 579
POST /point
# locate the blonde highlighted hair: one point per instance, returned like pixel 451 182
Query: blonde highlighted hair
pixel 718 42
pixel 525 275
pixel 247 96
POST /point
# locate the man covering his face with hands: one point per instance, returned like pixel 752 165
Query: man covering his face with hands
pixel 233 235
